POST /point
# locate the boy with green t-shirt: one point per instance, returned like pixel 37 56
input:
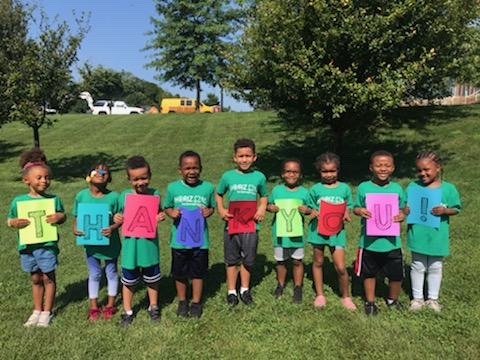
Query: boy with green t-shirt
pixel 378 253
pixel 242 183
pixel 189 262
pixel 140 256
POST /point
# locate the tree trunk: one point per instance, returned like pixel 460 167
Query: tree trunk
pixel 36 136
pixel 197 105
pixel 221 98
pixel 338 134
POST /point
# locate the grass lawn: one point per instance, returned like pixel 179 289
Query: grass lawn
pixel 269 329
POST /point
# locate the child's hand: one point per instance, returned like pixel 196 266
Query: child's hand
pixel 439 210
pixel 160 216
pixel 259 215
pixel 363 212
pixel 272 208
pixel 118 218
pixel 174 213
pixel 406 210
pixel 399 218
pixel 314 214
pixel 55 218
pixel 107 231
pixel 305 210
pixel 77 232
pixel 224 214
pixel 18 223
pixel 346 216
pixel 206 212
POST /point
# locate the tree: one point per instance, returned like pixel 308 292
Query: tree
pixel 40 75
pixel 211 99
pixel 190 39
pixel 345 64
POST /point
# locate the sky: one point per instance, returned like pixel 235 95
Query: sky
pixel 117 36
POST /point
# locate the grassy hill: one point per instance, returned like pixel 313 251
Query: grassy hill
pixel 270 328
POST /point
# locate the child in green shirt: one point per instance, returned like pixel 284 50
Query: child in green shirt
pixel 189 262
pixel 40 260
pixel 378 253
pixel 430 245
pixel 285 247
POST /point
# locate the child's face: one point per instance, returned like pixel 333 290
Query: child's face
pixel 244 157
pixel 291 173
pixel 139 178
pixel 38 179
pixel 382 167
pixel 428 171
pixel 328 172
pixel 190 170
pixel 100 175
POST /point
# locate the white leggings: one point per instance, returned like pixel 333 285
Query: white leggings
pixel 433 266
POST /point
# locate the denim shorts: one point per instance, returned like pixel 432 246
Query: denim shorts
pixel 40 259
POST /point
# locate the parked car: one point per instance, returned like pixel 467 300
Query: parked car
pixel 109 107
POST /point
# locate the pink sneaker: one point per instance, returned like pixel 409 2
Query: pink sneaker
pixel 320 301
pixel 94 314
pixel 348 303
pixel 108 312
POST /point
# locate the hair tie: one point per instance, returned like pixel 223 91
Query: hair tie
pixel 30 164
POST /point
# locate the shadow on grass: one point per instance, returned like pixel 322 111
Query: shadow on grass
pixel 357 147
pixel 74 293
pixel 10 150
pixel 74 167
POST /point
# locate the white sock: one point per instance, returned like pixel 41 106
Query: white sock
pixel 242 290
pixel 234 292
pixel 36 312
pixel 129 312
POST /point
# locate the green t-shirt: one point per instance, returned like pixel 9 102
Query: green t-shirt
pixel 242 186
pixel 107 252
pixel 12 214
pixel 432 241
pixel 378 243
pixel 179 194
pixel 283 192
pixel 138 252
pixel 335 195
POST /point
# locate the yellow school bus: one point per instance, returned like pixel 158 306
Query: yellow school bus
pixel 184 105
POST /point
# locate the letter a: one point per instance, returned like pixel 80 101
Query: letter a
pixel 141 219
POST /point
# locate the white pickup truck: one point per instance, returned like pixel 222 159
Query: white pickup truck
pixel 105 107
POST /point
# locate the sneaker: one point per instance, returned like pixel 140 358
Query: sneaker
pixel 370 308
pixel 44 319
pixel 395 304
pixel 126 319
pixel 320 301
pixel 94 314
pixel 108 312
pixel 348 303
pixel 154 313
pixel 297 294
pixel 182 309
pixel 33 319
pixel 434 305
pixel 246 297
pixel 196 310
pixel 278 292
pixel 417 304
pixel 232 299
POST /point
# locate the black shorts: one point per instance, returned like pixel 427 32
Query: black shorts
pixel 189 263
pixel 240 248
pixel 369 263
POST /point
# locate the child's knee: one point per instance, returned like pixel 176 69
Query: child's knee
pixel 297 263
pixel 341 270
pixel 417 266
pixel 435 267
pixel 318 261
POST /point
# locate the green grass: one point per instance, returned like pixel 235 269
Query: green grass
pixel 269 328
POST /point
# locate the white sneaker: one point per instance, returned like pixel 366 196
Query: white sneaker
pixel 33 319
pixel 44 319
pixel 434 305
pixel 417 304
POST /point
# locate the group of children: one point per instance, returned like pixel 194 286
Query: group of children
pixel 140 256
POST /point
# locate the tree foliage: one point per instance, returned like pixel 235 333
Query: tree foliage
pixel 344 64
pixel 190 41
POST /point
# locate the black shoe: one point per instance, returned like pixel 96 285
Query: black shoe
pixel 154 313
pixel 297 294
pixel 182 309
pixel 397 305
pixel 232 299
pixel 126 319
pixel 370 308
pixel 246 297
pixel 278 292
pixel 196 310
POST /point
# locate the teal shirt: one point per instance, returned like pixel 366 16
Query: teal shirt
pixel 335 195
pixel 434 241
pixel 242 186
pixel 138 252
pixel 179 194
pixel 12 214
pixel 283 192
pixel 111 251
pixel 378 243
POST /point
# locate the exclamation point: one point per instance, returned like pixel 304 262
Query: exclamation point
pixel 423 209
